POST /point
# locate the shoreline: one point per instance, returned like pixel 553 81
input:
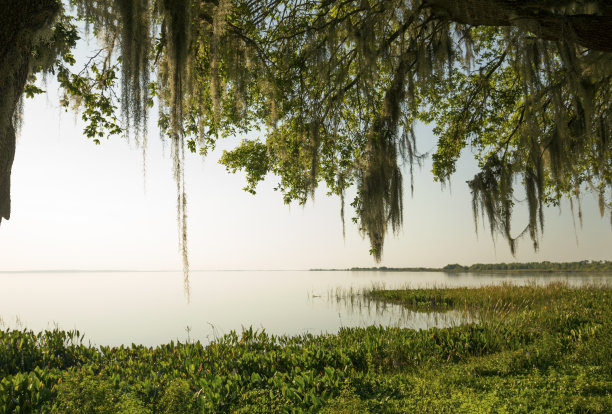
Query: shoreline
pixel 582 267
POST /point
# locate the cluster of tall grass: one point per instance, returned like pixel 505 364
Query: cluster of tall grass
pixel 532 349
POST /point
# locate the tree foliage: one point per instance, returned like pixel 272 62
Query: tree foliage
pixel 586 266
pixel 335 87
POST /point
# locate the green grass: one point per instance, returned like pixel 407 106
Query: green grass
pixel 534 349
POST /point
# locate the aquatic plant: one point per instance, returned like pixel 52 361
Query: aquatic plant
pixel 534 349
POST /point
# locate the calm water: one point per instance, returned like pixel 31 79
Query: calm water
pixel 150 308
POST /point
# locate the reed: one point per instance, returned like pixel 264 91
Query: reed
pixel 533 348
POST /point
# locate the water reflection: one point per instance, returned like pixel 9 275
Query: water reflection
pixel 149 308
pixel 365 310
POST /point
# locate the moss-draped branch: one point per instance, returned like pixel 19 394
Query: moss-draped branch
pixel 336 87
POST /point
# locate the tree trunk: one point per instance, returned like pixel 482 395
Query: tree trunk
pixel 20 22
pixel 592 31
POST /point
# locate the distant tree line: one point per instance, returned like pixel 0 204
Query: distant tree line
pixel 581 266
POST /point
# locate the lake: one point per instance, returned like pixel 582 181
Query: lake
pixel 150 308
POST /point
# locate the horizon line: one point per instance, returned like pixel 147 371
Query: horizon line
pixel 142 271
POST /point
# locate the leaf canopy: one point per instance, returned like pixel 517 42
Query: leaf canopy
pixel 335 87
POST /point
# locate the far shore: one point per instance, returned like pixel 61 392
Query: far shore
pixel 582 267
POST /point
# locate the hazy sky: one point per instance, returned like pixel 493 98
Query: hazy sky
pixel 77 205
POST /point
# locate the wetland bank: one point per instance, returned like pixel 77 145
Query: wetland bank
pixel 530 348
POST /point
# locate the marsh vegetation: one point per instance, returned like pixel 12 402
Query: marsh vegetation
pixel 533 348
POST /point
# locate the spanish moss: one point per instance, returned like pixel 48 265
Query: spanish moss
pixel 336 88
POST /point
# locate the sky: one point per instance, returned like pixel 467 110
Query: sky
pixel 77 205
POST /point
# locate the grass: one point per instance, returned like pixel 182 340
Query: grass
pixel 534 349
